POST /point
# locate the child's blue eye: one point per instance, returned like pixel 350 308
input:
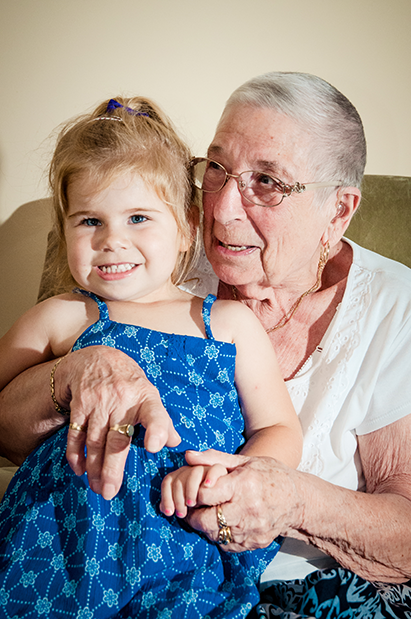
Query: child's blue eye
pixel 90 221
pixel 137 219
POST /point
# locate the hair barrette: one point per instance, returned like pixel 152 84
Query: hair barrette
pixel 117 118
pixel 113 104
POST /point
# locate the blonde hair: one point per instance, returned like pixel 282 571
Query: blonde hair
pixel 134 137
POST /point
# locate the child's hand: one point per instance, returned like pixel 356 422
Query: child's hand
pixel 179 489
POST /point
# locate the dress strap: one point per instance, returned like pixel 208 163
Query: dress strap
pixel 102 307
pixel 206 314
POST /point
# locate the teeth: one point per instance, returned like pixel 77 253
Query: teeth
pixel 235 247
pixel 118 268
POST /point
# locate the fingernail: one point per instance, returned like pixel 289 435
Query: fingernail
pixel 179 515
pixel 168 512
pixel 190 502
pixel 109 491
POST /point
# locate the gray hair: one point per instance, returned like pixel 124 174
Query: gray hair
pixel 338 141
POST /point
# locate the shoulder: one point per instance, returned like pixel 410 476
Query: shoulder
pixel 65 317
pixel 67 304
pixel 233 309
pixel 382 284
pixel 231 318
pixel 386 270
pixel 378 301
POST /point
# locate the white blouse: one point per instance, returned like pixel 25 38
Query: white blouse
pixel 357 381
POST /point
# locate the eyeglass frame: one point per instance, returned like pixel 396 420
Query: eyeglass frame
pixel 287 189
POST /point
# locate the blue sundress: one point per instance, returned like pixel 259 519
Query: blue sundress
pixel 65 552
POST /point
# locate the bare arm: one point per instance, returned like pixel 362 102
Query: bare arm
pixel 272 427
pixel 27 414
pixel 368 533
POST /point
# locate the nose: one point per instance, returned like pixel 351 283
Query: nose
pixel 228 203
pixel 113 238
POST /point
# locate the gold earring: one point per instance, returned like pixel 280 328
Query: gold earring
pixel 324 254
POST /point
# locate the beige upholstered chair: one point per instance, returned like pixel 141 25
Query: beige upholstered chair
pixel 382 224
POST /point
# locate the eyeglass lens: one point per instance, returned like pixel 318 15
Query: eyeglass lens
pixel 257 187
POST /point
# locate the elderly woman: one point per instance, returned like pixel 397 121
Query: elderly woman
pixel 339 318
pixel 280 185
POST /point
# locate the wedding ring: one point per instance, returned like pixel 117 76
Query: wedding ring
pixel 224 533
pixel 127 429
pixel 77 426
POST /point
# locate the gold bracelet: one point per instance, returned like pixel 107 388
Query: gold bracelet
pixel 57 406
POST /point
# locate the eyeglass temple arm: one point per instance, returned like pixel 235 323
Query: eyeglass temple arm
pixel 300 187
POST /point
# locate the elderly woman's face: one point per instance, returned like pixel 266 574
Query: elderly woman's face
pixel 255 246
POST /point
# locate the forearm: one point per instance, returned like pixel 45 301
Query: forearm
pixel 366 533
pixel 27 414
pixel 281 442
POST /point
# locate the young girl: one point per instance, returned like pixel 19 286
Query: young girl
pixel 129 234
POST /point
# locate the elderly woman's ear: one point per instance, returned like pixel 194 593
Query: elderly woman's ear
pixel 348 200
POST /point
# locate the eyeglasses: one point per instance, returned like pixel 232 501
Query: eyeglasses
pixel 259 188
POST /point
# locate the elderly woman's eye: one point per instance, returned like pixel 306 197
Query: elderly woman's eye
pixel 266 183
pixel 214 170
pixel 269 181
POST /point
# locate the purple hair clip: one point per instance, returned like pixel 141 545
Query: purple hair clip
pixel 113 104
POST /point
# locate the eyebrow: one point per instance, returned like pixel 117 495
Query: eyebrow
pixel 97 214
pixel 260 165
pixel 81 214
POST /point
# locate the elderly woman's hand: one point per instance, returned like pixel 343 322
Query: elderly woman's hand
pixel 104 387
pixel 258 499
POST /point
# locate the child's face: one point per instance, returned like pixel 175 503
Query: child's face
pixel 122 242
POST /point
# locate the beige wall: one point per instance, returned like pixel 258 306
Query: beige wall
pixel 59 58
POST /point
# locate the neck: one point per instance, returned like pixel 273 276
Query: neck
pixel 277 306
pixel 277 309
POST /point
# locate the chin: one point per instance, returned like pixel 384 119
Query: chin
pixel 230 271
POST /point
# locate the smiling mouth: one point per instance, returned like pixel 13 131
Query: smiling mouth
pixel 235 247
pixel 117 268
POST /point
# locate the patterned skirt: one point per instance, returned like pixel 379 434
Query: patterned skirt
pixel 334 593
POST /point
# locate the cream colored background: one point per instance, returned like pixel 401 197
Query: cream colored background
pixel 59 58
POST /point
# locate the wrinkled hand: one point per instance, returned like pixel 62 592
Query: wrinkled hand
pixel 103 387
pixel 258 498
pixel 180 488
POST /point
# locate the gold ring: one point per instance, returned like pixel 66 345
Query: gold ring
pixel 127 429
pixel 77 426
pixel 224 533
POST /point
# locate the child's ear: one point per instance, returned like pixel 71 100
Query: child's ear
pixel 193 218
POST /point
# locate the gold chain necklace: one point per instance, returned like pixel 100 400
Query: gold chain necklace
pixel 325 250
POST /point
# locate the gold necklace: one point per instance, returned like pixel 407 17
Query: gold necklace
pixel 324 253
